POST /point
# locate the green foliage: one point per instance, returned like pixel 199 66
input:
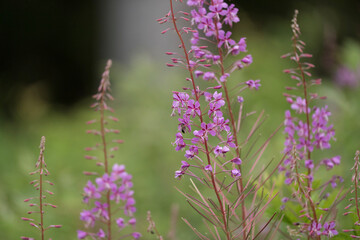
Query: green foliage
pixel 143 106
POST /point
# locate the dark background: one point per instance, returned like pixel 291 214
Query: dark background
pixel 55 45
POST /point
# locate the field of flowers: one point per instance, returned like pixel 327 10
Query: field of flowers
pixel 237 136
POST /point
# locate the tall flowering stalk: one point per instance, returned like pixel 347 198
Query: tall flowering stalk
pixel 112 191
pixel 40 203
pixel 208 126
pixel 353 208
pixel 307 130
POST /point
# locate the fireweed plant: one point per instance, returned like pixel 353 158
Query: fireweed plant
pixel 39 204
pixel 307 130
pixel 210 122
pixel 353 208
pixel 109 198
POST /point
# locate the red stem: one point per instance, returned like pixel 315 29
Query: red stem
pixel 41 193
pixel 222 207
pixel 308 195
pixel 356 189
pixel 102 126
pixel 233 125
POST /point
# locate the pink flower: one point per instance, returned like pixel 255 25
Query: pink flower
pixel 208 76
pixel 231 15
pixel 235 173
pixel 120 222
pixel 253 84
pixel 81 234
pixel 299 105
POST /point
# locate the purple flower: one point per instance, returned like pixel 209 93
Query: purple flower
pixel 334 180
pixel 106 182
pixel 184 124
pixel 180 101
pixel 81 234
pixel 299 105
pixel 336 160
pixel 195 2
pixel 221 123
pixel 101 233
pixel 90 192
pixel 208 168
pixel 230 141
pixel 208 128
pixel 253 84
pixel 179 142
pixel 197 52
pixel 346 77
pixel 240 99
pixel 217 9
pixel 214 108
pixel 193 108
pixel 120 222
pixel 221 150
pixel 208 76
pixel 330 163
pixel 195 38
pixel 179 174
pixel 288 181
pixel 198 73
pixel 235 173
pixel 117 193
pixel 237 161
pixel 118 171
pixel 88 218
pixel 315 229
pixel 218 98
pixel 208 96
pixel 100 209
pixel 231 15
pixel 206 24
pixel 224 77
pixel 193 150
pixel 309 164
pixel 196 16
pixel 184 165
pixel 129 207
pixel 216 59
pixel 225 39
pixel 329 229
pixel 247 59
pixel 132 221
pixel 136 235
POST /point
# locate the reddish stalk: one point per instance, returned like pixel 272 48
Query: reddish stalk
pixel 356 182
pixel 102 132
pixel 303 80
pixel 222 207
pixel 41 190
pixel 306 195
pixel 233 126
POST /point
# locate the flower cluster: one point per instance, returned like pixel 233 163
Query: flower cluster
pixel 208 19
pixel 307 129
pixel 112 192
pixel 307 140
pixel 217 126
pixel 328 229
pixel 40 204
pixel 119 186
pixel 207 126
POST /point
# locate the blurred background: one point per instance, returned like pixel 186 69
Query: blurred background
pixel 53 55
